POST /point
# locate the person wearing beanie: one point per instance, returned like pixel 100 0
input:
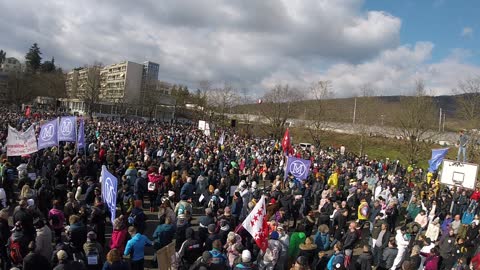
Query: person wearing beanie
pixel 246 263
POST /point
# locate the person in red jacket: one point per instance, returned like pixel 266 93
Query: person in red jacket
pixel 119 234
pixel 476 195
pixel 432 259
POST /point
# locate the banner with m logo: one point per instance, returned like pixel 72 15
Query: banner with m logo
pixel 300 168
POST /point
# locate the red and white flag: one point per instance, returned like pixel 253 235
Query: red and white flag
pixel 286 141
pixel 256 224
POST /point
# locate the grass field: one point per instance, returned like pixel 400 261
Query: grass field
pixel 375 147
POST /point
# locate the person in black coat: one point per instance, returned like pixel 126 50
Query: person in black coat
pixel 4 236
pixel 34 260
pixel 350 237
pixel 26 219
pixel 320 263
pixel 90 193
pixel 365 260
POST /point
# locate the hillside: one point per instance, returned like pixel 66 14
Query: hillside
pixel 383 109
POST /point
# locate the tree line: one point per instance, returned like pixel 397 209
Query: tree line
pixel 36 78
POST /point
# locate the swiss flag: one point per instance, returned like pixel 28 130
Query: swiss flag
pixel 256 224
pixel 286 141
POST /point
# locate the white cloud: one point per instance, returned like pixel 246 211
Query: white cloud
pixel 393 72
pixel 249 44
pixel 467 32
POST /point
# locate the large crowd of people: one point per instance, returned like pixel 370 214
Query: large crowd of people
pixel 350 213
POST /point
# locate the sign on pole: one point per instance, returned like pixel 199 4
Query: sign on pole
pixel 21 143
pixel 48 136
pixel 67 132
pixel 109 191
pixel 300 168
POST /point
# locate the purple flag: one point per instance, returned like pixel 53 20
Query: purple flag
pixel 81 135
pixel 48 136
pixel 300 168
pixel 109 191
pixel 67 132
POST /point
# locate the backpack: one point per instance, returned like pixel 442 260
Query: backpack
pixel 131 219
pixel 181 209
pixel 15 252
pixel 55 220
pixel 152 186
pixel 93 257
pixel 45 193
pixel 217 257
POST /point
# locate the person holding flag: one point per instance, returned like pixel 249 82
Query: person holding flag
pixel 256 224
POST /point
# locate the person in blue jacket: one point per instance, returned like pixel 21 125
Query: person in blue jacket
pixel 136 248
pixel 337 257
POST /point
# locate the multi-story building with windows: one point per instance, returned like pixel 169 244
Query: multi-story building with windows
pixel 121 82
pixel 11 65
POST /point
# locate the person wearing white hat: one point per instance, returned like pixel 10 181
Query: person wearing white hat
pixel 246 261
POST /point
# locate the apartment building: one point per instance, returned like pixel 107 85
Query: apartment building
pixel 77 81
pixel 11 65
pixel 125 82
pixel 121 82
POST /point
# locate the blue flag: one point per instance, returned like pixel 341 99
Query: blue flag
pixel 300 168
pixel 81 135
pixel 48 136
pixel 109 191
pixel 67 132
pixel 437 157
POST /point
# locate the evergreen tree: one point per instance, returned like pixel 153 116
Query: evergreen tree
pixel 33 58
pixel 3 56
pixel 48 66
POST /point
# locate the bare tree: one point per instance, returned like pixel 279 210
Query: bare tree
pixel 221 100
pixel 469 100
pixel 20 88
pixel 416 121
pixel 200 98
pixel 277 107
pixel 89 86
pixel 320 91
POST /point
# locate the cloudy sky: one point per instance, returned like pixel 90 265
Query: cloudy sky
pixel 386 44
